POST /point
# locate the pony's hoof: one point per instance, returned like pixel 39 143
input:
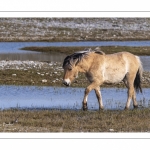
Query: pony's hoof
pixel 126 108
pixel 135 106
pixel 101 109
pixel 85 106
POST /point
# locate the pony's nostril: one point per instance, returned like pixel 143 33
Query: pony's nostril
pixel 65 83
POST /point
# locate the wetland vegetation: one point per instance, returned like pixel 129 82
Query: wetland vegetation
pixel 50 74
pixel 52 77
pixel 74 121
pixel 107 49
pixel 71 29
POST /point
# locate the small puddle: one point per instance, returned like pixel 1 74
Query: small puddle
pixel 34 97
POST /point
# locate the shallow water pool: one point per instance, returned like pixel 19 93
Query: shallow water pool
pixel 33 97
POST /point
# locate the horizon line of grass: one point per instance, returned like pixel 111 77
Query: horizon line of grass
pixel 140 51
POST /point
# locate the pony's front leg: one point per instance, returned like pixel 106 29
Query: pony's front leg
pixel 84 103
pixel 87 91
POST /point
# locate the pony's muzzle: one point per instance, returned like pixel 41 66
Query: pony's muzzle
pixel 66 82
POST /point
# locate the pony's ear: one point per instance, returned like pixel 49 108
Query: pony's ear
pixel 98 50
pixel 74 61
pixel 71 61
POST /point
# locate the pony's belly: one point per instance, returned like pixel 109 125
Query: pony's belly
pixel 112 82
pixel 113 79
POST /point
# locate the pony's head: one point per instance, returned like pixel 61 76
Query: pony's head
pixel 70 66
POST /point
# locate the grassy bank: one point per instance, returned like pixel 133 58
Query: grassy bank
pixel 51 77
pixel 74 121
pixel 107 49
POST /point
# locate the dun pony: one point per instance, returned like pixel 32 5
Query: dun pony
pixel 100 68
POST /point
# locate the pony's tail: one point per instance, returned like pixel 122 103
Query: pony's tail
pixel 138 78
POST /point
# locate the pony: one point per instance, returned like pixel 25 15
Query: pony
pixel 102 68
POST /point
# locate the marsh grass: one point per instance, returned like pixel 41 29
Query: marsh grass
pixel 107 49
pixel 30 77
pixel 35 77
pixel 74 121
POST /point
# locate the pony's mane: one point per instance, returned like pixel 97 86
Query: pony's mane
pixel 78 56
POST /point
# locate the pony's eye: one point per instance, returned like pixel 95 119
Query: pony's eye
pixel 69 69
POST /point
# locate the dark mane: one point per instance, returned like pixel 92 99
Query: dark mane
pixel 77 56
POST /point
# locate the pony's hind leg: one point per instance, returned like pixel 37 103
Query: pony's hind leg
pixel 129 94
pixel 99 97
pixel 131 91
pixel 135 105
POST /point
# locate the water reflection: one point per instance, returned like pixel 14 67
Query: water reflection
pixel 61 98
pixel 56 57
pixel 11 50
pixel 13 47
